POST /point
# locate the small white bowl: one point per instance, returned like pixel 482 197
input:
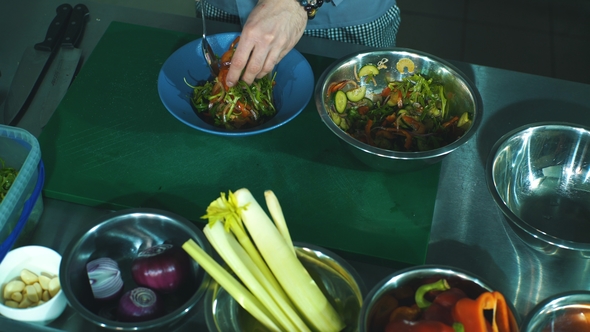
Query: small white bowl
pixel 36 259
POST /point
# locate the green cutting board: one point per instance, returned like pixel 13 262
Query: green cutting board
pixel 112 144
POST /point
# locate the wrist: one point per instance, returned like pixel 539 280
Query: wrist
pixel 311 6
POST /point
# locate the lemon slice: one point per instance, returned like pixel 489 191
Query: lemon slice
pixel 404 65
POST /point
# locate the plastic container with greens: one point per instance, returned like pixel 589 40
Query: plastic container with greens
pixel 22 206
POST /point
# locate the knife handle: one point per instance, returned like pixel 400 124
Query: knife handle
pixel 75 28
pixel 56 28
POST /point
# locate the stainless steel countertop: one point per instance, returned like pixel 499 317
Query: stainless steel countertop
pixel 468 230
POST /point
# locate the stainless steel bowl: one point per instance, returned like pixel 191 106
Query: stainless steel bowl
pixel 340 281
pixel 539 176
pixel 410 279
pixel 464 97
pixel 120 236
pixel 560 313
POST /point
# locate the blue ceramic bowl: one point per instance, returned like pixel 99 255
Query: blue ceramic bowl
pixel 292 91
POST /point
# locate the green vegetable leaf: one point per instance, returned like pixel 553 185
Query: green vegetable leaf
pixel 225 210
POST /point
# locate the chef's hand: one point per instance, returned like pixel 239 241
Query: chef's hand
pixel 271 31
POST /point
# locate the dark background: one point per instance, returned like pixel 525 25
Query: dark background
pixel 541 37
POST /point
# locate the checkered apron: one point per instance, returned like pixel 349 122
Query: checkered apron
pixel 379 33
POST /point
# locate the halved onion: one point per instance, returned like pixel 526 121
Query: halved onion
pixel 138 305
pixel 105 278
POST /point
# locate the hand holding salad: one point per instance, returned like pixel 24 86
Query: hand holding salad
pixel 271 31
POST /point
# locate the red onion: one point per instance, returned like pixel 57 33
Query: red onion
pixel 162 268
pixel 138 305
pixel 105 278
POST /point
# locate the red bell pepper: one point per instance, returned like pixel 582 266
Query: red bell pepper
pixel 411 313
pixel 442 306
pixel 470 313
pixel 418 326
pixel 449 297
pixel 383 310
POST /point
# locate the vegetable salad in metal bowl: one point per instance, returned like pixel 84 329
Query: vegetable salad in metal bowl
pixel 398 109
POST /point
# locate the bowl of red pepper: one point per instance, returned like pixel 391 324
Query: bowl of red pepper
pixel 438 299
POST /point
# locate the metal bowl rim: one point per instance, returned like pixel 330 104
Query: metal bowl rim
pixel 171 317
pixel 391 154
pixel 549 305
pixel 514 219
pixel 209 294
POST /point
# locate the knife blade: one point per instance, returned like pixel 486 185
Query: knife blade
pixel 60 74
pixel 33 65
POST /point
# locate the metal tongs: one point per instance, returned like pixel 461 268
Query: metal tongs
pixel 208 53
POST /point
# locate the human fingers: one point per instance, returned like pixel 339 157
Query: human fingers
pixel 273 58
pixel 239 61
pixel 255 64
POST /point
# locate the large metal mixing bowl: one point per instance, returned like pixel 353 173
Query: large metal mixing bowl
pixel 461 93
pixel 539 176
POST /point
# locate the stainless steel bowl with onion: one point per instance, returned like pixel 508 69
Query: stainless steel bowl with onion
pixel 539 176
pixel 129 272
pixel 398 109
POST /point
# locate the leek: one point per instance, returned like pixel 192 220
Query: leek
pixel 244 267
pixel 276 213
pixel 288 270
pixel 227 211
pixel 240 293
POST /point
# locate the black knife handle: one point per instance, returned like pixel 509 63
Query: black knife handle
pixel 75 28
pixel 56 28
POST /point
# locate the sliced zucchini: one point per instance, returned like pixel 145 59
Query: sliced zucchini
pixel 392 101
pixel 402 120
pixel 335 118
pixel 344 125
pixel 340 101
pixel 435 112
pixel 368 70
pixel 357 94
pixel 464 121
pixel 367 102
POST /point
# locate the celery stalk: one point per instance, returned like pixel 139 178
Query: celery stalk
pixel 244 267
pixel 290 273
pixel 272 202
pixel 240 293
